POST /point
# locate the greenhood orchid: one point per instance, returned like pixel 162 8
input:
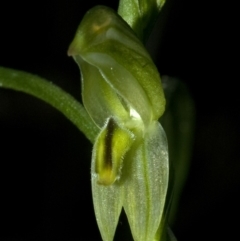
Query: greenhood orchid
pixel 122 93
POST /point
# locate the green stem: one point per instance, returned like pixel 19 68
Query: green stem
pixel 53 95
pixel 140 15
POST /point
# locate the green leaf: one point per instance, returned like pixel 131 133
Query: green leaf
pixel 53 95
pixel 178 122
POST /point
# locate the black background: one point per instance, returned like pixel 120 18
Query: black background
pixel 45 161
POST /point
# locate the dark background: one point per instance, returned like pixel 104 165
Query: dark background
pixel 45 161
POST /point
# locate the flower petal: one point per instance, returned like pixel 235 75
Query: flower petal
pixel 146 186
pixel 106 41
pixel 109 150
pixel 99 98
pixel 108 201
pixel 123 83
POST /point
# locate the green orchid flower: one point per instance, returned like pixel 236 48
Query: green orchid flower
pixel 122 93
